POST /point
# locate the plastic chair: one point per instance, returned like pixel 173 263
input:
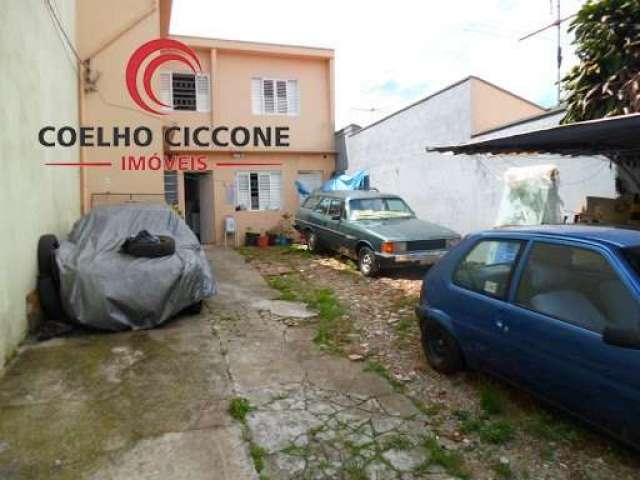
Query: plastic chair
pixel 230 228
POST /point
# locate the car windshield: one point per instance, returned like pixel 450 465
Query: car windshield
pixel 632 255
pixel 374 208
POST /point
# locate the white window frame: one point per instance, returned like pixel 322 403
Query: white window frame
pixel 259 101
pixel 203 98
pixel 268 200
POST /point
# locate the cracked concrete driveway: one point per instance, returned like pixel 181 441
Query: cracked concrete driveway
pixel 155 404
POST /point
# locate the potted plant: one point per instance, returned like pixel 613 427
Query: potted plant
pixel 272 235
pixel 263 240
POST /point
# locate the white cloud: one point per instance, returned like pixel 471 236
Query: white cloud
pixel 389 54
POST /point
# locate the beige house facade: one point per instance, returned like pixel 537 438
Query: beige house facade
pixel 240 87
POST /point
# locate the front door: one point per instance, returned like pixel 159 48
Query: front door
pixel 482 281
pixel 566 296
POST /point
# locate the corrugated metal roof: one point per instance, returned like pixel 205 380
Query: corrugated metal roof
pixel 608 135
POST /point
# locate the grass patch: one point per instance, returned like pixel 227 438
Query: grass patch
pixel 381 370
pixel 492 400
pixel 452 462
pixel 503 470
pixel 549 427
pixel 333 327
pixel 239 408
pixel 497 432
pixel 257 455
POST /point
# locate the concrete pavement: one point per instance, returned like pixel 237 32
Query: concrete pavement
pixel 154 404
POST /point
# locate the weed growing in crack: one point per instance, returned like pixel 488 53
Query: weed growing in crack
pixel 239 408
pixel 452 462
pixel 257 455
pixel 355 469
pixel 381 370
pixel 398 442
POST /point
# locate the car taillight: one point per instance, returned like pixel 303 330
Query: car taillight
pixel 387 247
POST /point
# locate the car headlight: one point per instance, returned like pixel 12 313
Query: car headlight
pixel 394 247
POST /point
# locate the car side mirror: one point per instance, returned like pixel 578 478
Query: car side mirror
pixel 621 337
pixel 337 218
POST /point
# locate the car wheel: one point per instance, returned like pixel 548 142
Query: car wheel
pixel 367 262
pixel 50 298
pixel 313 242
pixel 166 246
pixel 441 349
pixel 47 244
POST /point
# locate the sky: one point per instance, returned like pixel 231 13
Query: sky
pixel 392 53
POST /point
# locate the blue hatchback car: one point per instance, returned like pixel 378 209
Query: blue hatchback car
pixel 553 309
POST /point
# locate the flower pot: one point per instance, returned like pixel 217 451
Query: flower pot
pixel 263 241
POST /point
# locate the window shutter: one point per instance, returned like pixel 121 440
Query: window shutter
pixel 243 190
pixel 268 96
pixel 293 97
pixel 264 191
pixel 257 101
pixel 275 191
pixel 166 90
pixel 281 97
pixel 203 96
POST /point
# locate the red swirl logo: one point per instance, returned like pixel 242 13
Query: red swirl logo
pixel 162 50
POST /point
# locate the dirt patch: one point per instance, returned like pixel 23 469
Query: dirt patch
pixel 497 431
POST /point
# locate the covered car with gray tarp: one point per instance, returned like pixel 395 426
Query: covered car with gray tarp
pixel 103 287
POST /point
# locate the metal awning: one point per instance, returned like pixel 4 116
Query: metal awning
pixel 614 135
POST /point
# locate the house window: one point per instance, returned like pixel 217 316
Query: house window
pixel 171 187
pixel 275 96
pixel 185 91
pixel 259 190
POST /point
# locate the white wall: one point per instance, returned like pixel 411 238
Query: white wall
pixel 39 87
pixel 393 152
pixel 461 192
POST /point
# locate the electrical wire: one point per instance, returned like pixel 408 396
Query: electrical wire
pixel 62 30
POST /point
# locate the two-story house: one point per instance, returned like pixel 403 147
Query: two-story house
pixel 241 87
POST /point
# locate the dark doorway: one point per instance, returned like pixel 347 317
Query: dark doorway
pixel 198 201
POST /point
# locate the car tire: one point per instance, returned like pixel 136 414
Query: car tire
pixel 47 244
pixel 165 247
pixel 50 298
pixel 367 262
pixel 193 309
pixel 441 348
pixel 313 242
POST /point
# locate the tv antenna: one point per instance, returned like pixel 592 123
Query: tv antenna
pixel 558 24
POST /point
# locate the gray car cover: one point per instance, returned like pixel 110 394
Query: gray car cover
pixel 104 288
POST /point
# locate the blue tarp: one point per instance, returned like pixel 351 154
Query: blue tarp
pixel 357 181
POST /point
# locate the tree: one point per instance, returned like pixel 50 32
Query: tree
pixel 606 82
